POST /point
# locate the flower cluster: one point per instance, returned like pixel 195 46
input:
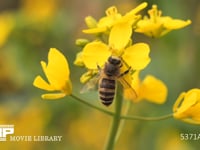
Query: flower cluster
pixel 157 25
pixel 114 36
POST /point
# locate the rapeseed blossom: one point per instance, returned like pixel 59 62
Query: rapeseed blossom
pixel 157 25
pixel 119 43
pixel 57 73
pixel 187 106
pixel 97 52
pixel 113 18
pixel 150 89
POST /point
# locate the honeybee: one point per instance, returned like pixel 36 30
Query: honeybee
pixel 107 79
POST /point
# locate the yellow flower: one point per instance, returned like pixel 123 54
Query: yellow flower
pixel 111 19
pixel 150 89
pixel 187 106
pixel 38 10
pixel 97 53
pixel 6 26
pixel 57 73
pixel 157 25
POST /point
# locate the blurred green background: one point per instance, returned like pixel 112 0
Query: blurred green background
pixel 28 28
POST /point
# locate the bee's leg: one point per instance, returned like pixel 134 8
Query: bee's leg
pixel 124 62
pixel 125 72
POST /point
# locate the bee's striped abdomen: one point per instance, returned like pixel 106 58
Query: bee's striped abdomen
pixel 107 90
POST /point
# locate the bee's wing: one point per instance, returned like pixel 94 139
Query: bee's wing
pixel 128 87
pixel 91 84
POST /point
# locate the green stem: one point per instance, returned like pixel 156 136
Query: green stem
pixel 91 105
pixel 126 110
pixel 147 118
pixel 122 116
pixel 116 119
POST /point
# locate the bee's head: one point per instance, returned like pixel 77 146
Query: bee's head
pixel 114 60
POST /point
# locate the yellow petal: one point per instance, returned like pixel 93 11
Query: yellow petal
pixel 53 96
pixel 67 89
pixel 195 111
pixel 135 82
pixel 153 90
pixel 6 26
pixel 178 101
pixel 149 28
pixel 95 53
pixel 95 30
pixel 175 23
pixel 137 56
pixel 57 70
pixel 120 35
pixel 40 83
pixel 138 8
pixel 190 98
pixel 191 121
